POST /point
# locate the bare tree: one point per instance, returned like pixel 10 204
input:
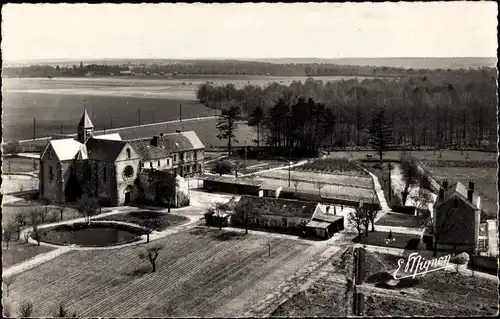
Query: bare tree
pixel 44 210
pixel 296 185
pixel 248 214
pixel 37 234
pixel 268 243
pixel 357 219
pixel 439 228
pixel 8 281
pixel 149 228
pixel 410 173
pixel 87 206
pixel 319 186
pixel 64 313
pixel 151 255
pixel 21 187
pixel 238 166
pixel 422 198
pixel 20 221
pixel 25 309
pixel 61 208
pixel 33 216
pixel 7 232
pixel 371 214
pixel 27 235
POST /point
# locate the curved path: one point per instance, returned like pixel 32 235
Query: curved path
pixel 60 249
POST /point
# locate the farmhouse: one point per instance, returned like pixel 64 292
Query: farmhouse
pixel 225 184
pixel 107 167
pixel 456 217
pixel 181 153
pixel 292 216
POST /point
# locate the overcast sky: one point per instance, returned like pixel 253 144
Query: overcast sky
pixel 419 29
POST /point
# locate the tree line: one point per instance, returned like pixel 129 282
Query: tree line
pixel 225 67
pixel 457 110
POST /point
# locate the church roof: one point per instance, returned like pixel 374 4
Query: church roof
pixel 104 150
pixel 85 121
pixel 167 144
pixel 112 136
pixel 65 149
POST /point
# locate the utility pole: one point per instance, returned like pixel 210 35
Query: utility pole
pixel 111 122
pixel 289 165
pixel 34 128
pixel 139 116
pixel 61 128
pixel 180 112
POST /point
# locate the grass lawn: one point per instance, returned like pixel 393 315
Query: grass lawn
pixel 378 238
pixel 20 251
pixel 400 220
pixel 446 155
pixel 485 182
pixel 160 221
pixel 9 210
pixel 198 272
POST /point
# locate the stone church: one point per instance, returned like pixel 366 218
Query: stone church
pixel 118 171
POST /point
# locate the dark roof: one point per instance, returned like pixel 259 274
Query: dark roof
pixel 85 121
pixel 277 206
pixel 232 180
pixel 104 150
pixel 167 144
pixel 459 189
pixel 319 215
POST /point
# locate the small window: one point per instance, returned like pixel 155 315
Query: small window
pixel 128 153
pixel 181 156
pixel 455 203
pixel 104 177
pixel 175 158
pixel 168 161
pixel 151 164
pixel 195 156
pixel 158 163
pixel 51 173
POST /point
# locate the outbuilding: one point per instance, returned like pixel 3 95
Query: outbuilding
pixel 232 185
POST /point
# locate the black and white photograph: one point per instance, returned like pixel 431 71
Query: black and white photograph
pixel 249 160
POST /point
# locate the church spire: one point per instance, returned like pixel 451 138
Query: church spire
pixel 85 128
pixel 85 121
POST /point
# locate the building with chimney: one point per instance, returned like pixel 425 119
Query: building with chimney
pixel 110 169
pixel 456 218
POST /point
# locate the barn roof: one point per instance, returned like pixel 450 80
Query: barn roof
pixel 277 206
pixel 232 180
pixel 316 224
pixel 319 215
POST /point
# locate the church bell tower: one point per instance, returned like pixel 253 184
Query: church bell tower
pixel 85 128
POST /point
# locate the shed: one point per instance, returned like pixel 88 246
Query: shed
pixel 270 190
pixel 324 225
pixel 233 185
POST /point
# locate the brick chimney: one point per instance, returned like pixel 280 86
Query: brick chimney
pixel 154 141
pixel 445 184
pixel 471 185
pixel 470 191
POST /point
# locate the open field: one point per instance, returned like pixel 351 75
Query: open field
pixel 198 273
pixel 334 191
pixel 400 220
pixel 485 182
pixel 18 183
pixel 313 177
pixel 19 164
pixel 335 166
pixel 52 110
pixel 446 155
pixel 204 128
pixel 20 251
pixel 60 100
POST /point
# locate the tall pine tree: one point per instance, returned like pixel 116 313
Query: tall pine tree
pixel 227 125
pixel 381 133
pixel 256 119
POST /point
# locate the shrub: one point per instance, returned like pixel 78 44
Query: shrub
pixel 461 259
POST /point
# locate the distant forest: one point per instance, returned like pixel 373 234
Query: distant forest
pixel 225 67
pixel 455 109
